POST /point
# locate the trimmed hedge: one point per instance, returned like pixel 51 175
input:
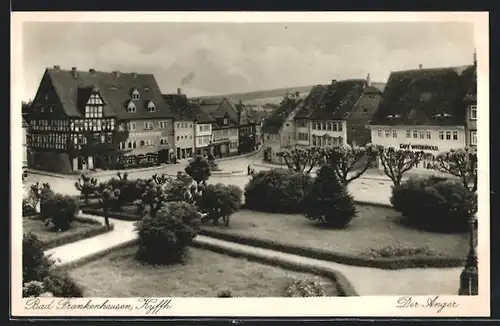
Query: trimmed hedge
pixel 344 287
pixel 382 263
pixel 117 215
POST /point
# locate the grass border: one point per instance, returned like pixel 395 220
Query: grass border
pixel 86 234
pixel 343 285
pixel 116 215
pixel 381 263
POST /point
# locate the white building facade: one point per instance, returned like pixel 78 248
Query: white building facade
pixel 431 140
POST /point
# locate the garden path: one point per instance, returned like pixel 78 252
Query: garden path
pixel 366 281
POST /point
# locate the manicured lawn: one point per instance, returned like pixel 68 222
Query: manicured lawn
pixel 79 230
pixel 373 228
pixel 204 274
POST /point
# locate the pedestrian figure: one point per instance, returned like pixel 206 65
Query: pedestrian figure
pixel 249 170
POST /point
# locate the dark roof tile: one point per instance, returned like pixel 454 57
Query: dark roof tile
pixel 426 97
pixel 114 88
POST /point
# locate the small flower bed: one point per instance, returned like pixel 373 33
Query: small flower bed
pixel 391 251
pixel 305 287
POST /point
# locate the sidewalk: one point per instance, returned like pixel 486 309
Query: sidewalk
pixel 366 281
pixel 107 173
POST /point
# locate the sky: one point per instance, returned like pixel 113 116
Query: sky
pixel 223 58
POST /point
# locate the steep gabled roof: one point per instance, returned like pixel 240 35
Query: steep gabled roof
pixel 339 99
pixel 274 121
pixel 334 101
pixel 312 101
pixel 114 88
pixel 220 110
pixel 183 109
pixel 426 97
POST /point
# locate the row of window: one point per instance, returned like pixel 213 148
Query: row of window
pixel 326 141
pixel 419 134
pixel 303 136
pixel 225 133
pixel 94 111
pixel 179 137
pixel 183 125
pixel 131 107
pixel 327 125
pixel 204 128
pixel 132 144
pixel 203 140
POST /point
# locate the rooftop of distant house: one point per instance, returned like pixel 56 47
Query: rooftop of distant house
pixel 435 96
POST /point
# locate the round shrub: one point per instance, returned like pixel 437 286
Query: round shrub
pixel 435 204
pixel 60 210
pixel 328 201
pixel 165 238
pixel 277 191
pixel 220 201
pixel 40 275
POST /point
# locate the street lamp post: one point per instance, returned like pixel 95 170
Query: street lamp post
pixel 469 276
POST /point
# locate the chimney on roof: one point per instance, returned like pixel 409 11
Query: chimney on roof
pixel 179 91
pixel 92 71
pixel 75 72
pixel 297 94
pixel 57 67
pixel 420 66
pixel 368 80
pixel 240 102
pixel 134 75
pixel 116 73
pixel 334 81
pixel 475 57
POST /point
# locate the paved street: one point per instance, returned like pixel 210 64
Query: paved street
pixel 363 189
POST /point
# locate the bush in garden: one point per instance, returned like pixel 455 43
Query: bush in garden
pixel 37 194
pixel 60 210
pixel 199 169
pixel 28 209
pixel 165 238
pixel 328 200
pixel 277 191
pixel 305 287
pixel 33 289
pixel 154 197
pixel 220 201
pixel 225 294
pixel 87 187
pixel 40 275
pixel 435 204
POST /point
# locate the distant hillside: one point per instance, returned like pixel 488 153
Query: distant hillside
pixel 273 96
pixel 258 95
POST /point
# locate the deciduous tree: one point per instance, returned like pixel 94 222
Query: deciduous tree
pixel 346 160
pixel 87 187
pixel 198 169
pixel 397 162
pixel 301 158
pixel 461 163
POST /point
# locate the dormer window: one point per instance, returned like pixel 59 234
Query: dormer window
pixel 151 106
pixel 393 116
pixel 225 121
pixel 442 115
pixel 135 95
pixel 131 107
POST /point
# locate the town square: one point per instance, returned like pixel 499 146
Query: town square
pixel 136 183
